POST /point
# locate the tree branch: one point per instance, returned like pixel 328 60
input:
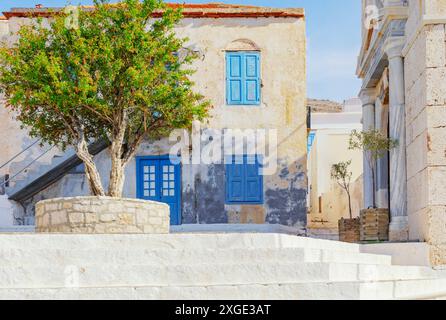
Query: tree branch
pixel 138 140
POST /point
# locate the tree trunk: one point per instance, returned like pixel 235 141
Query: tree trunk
pixel 117 175
pixel 374 188
pixel 350 204
pixel 372 162
pixel 91 172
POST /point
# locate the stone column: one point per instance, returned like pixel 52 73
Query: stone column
pixel 399 226
pixel 368 123
pixel 382 171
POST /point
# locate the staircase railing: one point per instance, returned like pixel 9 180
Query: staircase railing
pixel 9 179
pixel 20 153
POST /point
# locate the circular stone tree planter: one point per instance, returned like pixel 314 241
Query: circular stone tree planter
pixel 102 215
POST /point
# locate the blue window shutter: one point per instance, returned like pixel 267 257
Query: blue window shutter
pixel 234 74
pixel 235 182
pixel 252 78
pixel 254 182
pixel 243 78
pixel 244 183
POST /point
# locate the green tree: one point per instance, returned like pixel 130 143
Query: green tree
pixel 116 74
pixel 340 172
pixel 375 144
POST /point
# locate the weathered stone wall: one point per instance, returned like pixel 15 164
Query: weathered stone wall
pixel 282 45
pixel 93 215
pixel 4 28
pixel 15 140
pixel 11 143
pixel 435 7
pixel 425 77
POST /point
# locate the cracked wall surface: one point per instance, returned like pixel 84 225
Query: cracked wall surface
pixel 282 44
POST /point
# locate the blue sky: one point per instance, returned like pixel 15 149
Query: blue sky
pixel 333 30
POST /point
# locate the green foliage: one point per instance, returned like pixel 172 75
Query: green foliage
pixel 119 69
pixel 375 144
pixel 340 172
pixel 373 141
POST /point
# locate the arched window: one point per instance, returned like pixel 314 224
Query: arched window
pixel 242 45
pixel 243 78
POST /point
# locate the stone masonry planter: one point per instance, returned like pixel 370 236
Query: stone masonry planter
pixel 102 215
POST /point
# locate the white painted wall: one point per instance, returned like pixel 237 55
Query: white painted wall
pixel 331 146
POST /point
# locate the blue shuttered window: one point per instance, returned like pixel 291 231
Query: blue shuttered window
pixel 244 182
pixel 243 78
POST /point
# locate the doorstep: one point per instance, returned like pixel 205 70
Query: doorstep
pixel 237 228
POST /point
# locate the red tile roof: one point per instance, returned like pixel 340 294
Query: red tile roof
pixel 209 10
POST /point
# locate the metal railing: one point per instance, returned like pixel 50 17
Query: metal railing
pixel 20 153
pixel 7 180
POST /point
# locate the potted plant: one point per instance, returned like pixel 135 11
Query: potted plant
pixel 374 225
pixel 113 76
pixel 348 228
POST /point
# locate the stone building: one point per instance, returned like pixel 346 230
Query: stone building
pixel 270 43
pixel 403 67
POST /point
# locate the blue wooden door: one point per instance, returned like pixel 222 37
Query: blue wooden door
pixel 160 180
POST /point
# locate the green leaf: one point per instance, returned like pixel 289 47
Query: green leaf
pixel 64 82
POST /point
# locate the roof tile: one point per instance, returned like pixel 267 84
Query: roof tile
pixel 207 10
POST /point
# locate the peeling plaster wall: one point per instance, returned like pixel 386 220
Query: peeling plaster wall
pixel 283 67
pixel 4 30
pixel 13 142
pixel 282 44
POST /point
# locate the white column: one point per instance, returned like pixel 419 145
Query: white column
pixel 382 174
pixel 368 123
pixel 397 130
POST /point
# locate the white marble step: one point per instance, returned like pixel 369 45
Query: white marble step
pixel 171 241
pixel 60 257
pixel 17 229
pixel 387 290
pixel 204 274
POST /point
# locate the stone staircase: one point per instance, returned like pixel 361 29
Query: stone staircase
pixel 203 266
pixel 42 174
pixel 34 162
pixel 36 170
